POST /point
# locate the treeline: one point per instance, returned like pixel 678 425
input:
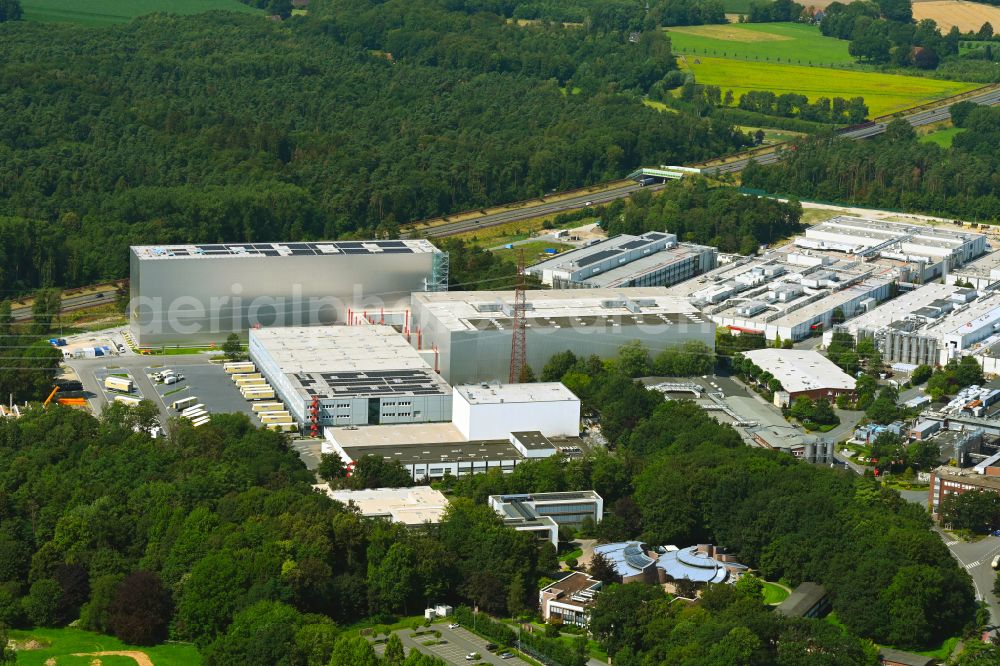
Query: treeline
pixel 883 32
pixel 213 534
pixel 792 105
pixel 774 11
pixel 896 170
pixel 235 130
pixel 720 217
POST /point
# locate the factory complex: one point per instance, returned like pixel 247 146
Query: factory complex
pixel 836 271
pixel 471 330
pixel 650 260
pixel 199 294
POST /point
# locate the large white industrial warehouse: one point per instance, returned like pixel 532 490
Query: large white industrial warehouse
pixel 197 294
pixel 471 330
pixel 350 375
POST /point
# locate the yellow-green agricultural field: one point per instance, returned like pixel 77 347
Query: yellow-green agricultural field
pixel 883 93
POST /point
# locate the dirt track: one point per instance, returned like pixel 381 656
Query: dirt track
pixel 141 658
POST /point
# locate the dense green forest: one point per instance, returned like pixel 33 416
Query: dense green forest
pixel 211 533
pixel 226 127
pixel 720 216
pixel 897 170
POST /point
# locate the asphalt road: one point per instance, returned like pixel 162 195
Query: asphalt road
pixel 71 303
pixel 575 203
pixel 976 557
pixel 917 119
pixel 536 210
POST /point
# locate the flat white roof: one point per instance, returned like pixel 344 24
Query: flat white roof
pixel 338 348
pixel 801 370
pixel 319 248
pixel 458 309
pixel 347 361
pixel 410 506
pixel 898 308
pixel 495 394
pixel 402 434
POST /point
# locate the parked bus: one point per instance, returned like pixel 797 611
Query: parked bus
pixel 128 400
pixel 119 384
pixel 183 403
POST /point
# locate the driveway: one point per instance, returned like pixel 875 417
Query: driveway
pixel 454 645
pixel 976 557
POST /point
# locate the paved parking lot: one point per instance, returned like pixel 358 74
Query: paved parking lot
pixel 208 382
pixel 109 396
pixel 454 646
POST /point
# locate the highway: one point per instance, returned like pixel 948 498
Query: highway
pixel 71 303
pixel 535 210
pixel 529 211
pixel 917 119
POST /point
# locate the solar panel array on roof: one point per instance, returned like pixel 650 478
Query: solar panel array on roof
pixel 631 245
pixel 282 249
pixel 370 383
pixel 597 256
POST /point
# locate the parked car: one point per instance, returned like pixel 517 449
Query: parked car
pixel 506 655
pixel 492 647
pixel 454 625
pixel 472 656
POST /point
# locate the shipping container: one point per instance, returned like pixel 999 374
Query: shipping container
pixel 184 403
pixel 200 422
pixel 246 375
pixel 238 366
pixel 120 384
pixel 281 427
pixel 286 418
pixel 258 394
pixel 240 383
pixel 267 406
pixel 192 409
pixel 128 400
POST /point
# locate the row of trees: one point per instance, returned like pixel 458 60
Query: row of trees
pixel 793 105
pixel 897 171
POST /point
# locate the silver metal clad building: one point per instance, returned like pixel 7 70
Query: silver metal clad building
pixel 196 294
pixel 471 330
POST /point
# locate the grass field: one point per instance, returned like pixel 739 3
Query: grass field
pixel 774 593
pixel 103 12
pixel 966 15
pixel 942 137
pixel 534 251
pixel 883 93
pixel 60 644
pixel 779 42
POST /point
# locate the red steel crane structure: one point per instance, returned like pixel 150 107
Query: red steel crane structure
pixel 518 346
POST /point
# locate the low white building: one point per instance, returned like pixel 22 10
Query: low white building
pixel 803 372
pixel 414 506
pixel 494 411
